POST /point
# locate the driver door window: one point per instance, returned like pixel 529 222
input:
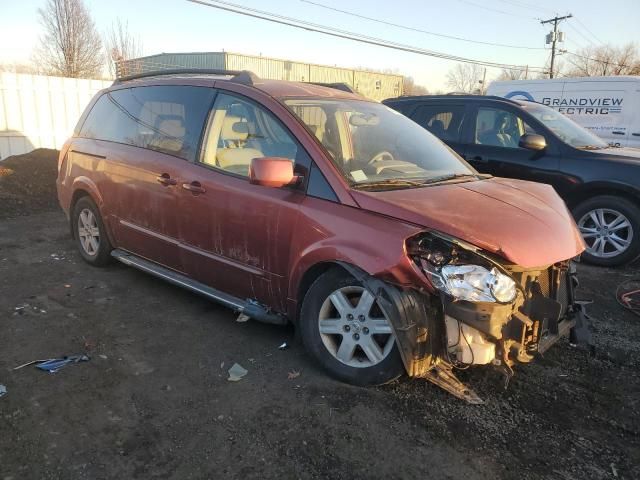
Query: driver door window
pixel 239 131
pixel 499 128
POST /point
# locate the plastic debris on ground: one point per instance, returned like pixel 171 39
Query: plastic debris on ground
pixel 284 346
pixel 242 318
pixel 293 374
pixel 3 390
pixel 52 365
pixel 236 372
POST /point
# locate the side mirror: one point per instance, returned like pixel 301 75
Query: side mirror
pixel 532 141
pixel 272 172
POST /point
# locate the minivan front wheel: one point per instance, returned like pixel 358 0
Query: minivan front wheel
pixel 345 330
pixel 610 227
pixel 90 233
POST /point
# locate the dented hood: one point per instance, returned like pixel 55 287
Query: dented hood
pixel 524 222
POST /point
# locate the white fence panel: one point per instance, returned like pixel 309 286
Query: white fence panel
pixel 38 111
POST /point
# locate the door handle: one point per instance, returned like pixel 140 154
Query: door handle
pixel 480 158
pixel 636 134
pixel 618 133
pixel 166 180
pixel 194 187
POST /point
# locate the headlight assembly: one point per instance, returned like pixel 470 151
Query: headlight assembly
pixel 455 272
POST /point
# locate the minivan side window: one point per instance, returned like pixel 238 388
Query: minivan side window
pixel 168 119
pixel 239 131
pixel 499 128
pixel 444 121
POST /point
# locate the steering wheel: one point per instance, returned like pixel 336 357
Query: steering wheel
pixel 380 157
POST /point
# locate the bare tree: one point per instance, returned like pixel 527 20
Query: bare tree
pixel 603 60
pixel 466 78
pixel 411 88
pixel 70 45
pixel 513 74
pixel 121 45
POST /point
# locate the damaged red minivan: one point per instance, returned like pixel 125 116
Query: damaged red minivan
pixel 294 202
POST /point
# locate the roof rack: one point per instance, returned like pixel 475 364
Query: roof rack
pixel 345 87
pixel 240 76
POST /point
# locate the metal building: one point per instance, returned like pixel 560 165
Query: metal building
pixel 374 85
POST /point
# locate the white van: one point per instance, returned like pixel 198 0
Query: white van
pixel 608 106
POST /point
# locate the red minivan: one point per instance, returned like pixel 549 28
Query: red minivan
pixel 294 202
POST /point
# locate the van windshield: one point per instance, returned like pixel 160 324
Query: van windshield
pixel 565 128
pixel 374 145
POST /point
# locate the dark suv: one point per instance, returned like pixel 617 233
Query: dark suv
pixel 526 140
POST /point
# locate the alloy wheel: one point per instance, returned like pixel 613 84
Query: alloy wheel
pixel 354 329
pixel 88 232
pixel 606 232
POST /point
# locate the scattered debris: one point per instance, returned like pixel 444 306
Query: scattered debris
pixel 32 362
pixel 3 390
pixel 52 365
pixel 236 372
pixel 221 365
pixel 284 346
pixel 104 357
pixel 614 470
pixel 242 318
pixel 293 374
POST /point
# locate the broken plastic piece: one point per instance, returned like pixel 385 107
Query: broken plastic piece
pixel 443 376
pixel 236 372
pixel 3 390
pixel 243 318
pixel 293 374
pixel 32 362
pixel 284 346
pixel 56 364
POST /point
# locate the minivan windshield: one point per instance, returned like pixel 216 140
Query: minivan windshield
pixel 374 145
pixel 565 128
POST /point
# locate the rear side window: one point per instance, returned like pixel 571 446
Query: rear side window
pixel 444 121
pixel 168 119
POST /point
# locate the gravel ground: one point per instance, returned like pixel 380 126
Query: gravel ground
pixel 154 400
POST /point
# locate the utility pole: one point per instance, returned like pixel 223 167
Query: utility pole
pixel 554 37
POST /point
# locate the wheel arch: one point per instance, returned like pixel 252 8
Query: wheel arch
pixel 593 189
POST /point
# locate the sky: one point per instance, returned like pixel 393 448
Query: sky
pixel 180 26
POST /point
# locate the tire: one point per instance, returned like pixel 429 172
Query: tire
pixel 337 328
pixel 96 250
pixel 610 227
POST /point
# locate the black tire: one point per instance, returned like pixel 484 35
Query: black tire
pixel 627 208
pixel 388 369
pixel 102 255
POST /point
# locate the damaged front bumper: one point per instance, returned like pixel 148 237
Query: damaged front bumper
pixel 437 333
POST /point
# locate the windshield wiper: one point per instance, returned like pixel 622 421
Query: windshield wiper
pixel 450 176
pixel 392 182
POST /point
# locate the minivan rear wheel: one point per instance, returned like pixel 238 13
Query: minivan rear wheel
pixel 344 329
pixel 610 227
pixel 90 233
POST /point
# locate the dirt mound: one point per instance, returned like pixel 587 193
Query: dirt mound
pixel 28 183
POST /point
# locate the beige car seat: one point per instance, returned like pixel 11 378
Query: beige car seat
pixel 234 134
pixel 170 135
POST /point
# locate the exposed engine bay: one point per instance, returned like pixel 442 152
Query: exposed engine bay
pixel 480 311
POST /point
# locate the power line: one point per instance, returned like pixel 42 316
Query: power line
pixel 477 5
pixel 581 34
pixel 314 27
pixel 525 5
pixel 589 31
pixel 405 27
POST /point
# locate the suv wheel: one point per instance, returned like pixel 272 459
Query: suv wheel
pixel 343 327
pixel 610 227
pixel 90 233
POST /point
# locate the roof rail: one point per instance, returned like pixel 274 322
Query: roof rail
pixel 240 76
pixel 345 87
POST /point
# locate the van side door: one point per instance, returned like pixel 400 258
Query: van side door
pixel 493 147
pixel 146 136
pixel 444 120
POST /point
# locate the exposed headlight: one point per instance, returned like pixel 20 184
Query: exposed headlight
pixel 473 283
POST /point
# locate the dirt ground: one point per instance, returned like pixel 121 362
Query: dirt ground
pixel 154 400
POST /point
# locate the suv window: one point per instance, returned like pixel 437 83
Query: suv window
pixel 168 119
pixel 444 121
pixel 239 131
pixel 499 128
